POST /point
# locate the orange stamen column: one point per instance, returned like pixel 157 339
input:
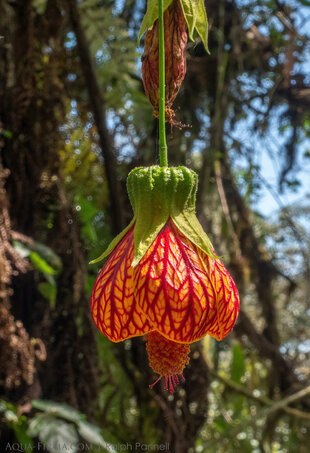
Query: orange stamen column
pixel 167 358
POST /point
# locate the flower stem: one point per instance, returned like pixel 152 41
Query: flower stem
pixel 163 156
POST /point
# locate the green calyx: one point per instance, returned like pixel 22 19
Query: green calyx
pixel 158 194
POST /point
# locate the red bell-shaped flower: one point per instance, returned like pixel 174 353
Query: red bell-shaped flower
pixel 162 277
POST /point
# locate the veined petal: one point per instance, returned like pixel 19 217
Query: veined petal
pixel 227 296
pixel 113 304
pixel 178 289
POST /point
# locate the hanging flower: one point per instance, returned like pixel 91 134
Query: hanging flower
pixel 175 60
pixel 162 278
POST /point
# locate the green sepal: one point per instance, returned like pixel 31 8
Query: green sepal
pixel 189 225
pixel 157 194
pixel 113 244
pixel 184 217
pixel 150 190
pixel 194 12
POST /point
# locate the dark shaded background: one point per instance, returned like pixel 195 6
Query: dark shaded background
pixel 74 122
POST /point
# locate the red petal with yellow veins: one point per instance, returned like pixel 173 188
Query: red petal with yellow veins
pixel 227 297
pixel 182 291
pixel 113 304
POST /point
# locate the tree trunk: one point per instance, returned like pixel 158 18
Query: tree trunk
pixel 31 111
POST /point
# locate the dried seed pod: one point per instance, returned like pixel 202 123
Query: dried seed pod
pixel 175 59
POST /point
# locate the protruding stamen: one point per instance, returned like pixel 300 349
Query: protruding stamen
pixel 167 358
pixel 171 381
pixel 154 383
pixel 176 379
pixel 171 385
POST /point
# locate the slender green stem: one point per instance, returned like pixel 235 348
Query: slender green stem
pixel 163 156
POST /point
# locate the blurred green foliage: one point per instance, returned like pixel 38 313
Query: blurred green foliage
pixel 242 385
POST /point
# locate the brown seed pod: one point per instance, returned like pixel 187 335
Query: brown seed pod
pixel 175 60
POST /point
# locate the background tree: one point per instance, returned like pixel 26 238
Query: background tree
pixel 74 121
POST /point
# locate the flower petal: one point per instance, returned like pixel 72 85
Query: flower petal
pixel 113 304
pixel 181 293
pixel 227 296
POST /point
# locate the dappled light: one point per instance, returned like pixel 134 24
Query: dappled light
pixel 146 348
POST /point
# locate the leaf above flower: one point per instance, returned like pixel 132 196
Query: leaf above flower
pixel 194 13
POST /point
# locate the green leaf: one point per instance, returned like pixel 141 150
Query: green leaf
pixel 2 406
pixel 196 19
pixel 49 291
pixel 20 430
pixel 91 433
pixel 21 249
pixel 47 254
pixel 10 416
pixel 194 12
pixel 39 253
pixel 41 264
pixel 87 209
pixel 202 24
pixel 190 10
pixel 238 363
pixel 39 6
pixel 58 409
pixel 238 401
pixel 307 153
pixel 151 15
pixel 221 425
pixel 6 133
pixel 18 424
pixel 89 232
pixel 54 433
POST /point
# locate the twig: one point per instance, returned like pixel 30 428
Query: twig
pixel 225 208
pixel 290 399
pixel 264 400
pixel 240 389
